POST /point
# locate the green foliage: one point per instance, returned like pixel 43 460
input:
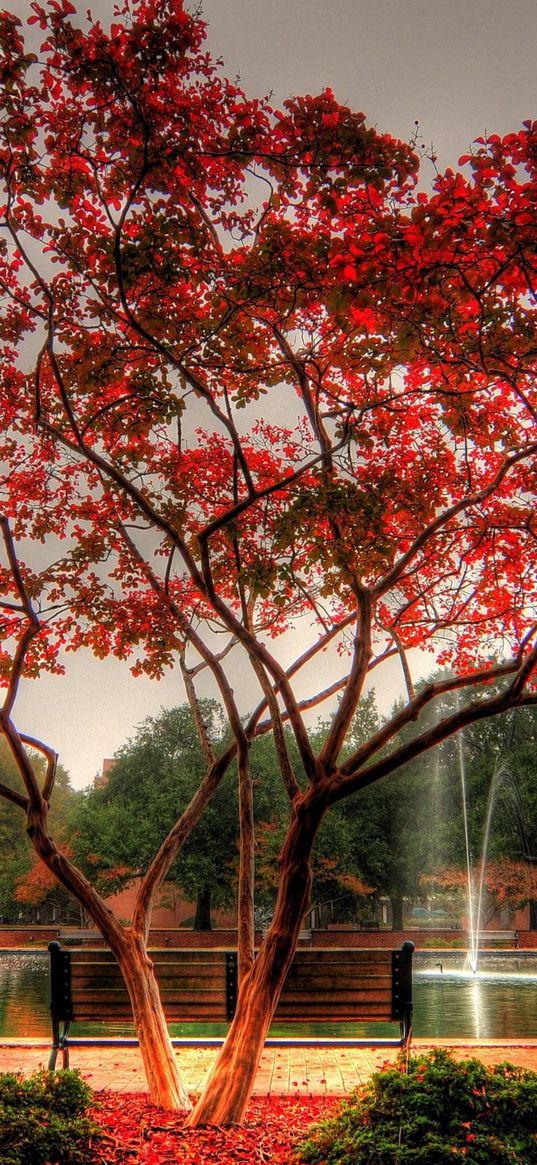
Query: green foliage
pixel 346 839
pixel 393 837
pixel 444 943
pixel 502 753
pixel 18 857
pixel 413 822
pixel 118 826
pixel 43 1120
pixel 499 763
pixel 439 1111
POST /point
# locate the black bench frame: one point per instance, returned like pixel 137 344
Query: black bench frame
pixel 63 1011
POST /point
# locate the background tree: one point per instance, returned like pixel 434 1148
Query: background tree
pixel 276 388
pixel 504 883
pixel 347 841
pixel 417 816
pixel 154 775
pixel 339 890
pixel 400 826
pixel 499 763
pixel 26 885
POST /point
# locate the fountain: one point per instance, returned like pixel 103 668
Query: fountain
pixel 475 898
pixel 502 779
pixel 473 930
pixel 457 994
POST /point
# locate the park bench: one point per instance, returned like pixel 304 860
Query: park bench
pixel 498 936
pixel 328 985
pixel 77 936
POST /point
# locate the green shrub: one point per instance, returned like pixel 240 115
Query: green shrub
pixel 445 944
pixel 439 1111
pixel 43 1119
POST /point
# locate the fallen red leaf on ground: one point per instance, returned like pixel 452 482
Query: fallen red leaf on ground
pixel 137 1133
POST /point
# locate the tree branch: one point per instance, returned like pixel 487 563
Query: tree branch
pixel 513 696
pixel 385 584
pixel 353 690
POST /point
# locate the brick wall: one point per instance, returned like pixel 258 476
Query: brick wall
pixel 319 938
pixel 527 939
pixel 24 936
pixel 195 938
pixel 170 911
pixel 40 936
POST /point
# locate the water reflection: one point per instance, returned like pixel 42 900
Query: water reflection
pixel 482 1006
pixel 24 995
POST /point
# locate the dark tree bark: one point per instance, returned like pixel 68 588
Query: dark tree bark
pixel 397 911
pixel 202 919
pixel 231 1080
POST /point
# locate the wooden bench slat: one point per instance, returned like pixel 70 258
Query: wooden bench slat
pixel 174 1015
pixel 344 970
pixel 328 997
pixel 343 1015
pixel 119 992
pixel 347 1000
pixel 102 990
pixel 288 999
pixel 314 980
pixel 322 986
pixel 106 972
pixel 109 976
pixel 157 954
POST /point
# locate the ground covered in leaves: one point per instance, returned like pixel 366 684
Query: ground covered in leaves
pixel 137 1133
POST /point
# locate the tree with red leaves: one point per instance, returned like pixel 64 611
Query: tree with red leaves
pixel 255 386
pixel 505 882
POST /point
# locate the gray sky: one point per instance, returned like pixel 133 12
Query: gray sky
pixel 459 67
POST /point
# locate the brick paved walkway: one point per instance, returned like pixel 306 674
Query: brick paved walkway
pixel 298 1071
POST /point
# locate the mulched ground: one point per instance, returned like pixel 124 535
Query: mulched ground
pixel 137 1133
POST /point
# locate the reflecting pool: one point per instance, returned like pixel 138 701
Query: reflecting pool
pixel 487 1005
pixel 24 994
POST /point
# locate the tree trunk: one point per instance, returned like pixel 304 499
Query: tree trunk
pixel 397 911
pixel 245 897
pixel 202 920
pixel 129 949
pixel 232 1077
pixel 165 1087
